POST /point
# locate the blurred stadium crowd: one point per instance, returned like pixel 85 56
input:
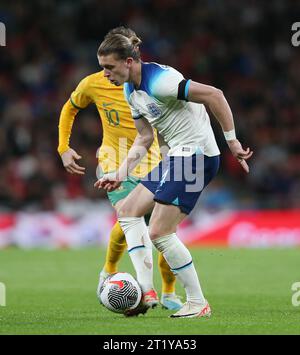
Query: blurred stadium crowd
pixel 242 47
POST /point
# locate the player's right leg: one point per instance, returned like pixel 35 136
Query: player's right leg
pixel 117 241
pixel 115 249
pixel 130 215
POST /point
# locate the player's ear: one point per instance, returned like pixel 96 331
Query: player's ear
pixel 129 62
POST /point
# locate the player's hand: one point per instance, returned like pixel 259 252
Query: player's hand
pixel 69 158
pixel 108 182
pixel 241 154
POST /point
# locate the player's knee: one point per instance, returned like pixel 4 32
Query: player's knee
pixel 153 233
pixel 156 231
pixel 126 210
pixel 123 210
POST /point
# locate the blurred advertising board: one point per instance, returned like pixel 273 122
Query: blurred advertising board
pixel 247 229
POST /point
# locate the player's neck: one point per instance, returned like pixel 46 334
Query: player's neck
pixel 136 74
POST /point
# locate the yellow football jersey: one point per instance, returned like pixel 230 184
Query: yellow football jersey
pixel 119 131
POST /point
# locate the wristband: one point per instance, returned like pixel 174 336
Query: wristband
pixel 230 135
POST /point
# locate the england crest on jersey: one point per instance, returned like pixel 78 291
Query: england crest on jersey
pixel 154 110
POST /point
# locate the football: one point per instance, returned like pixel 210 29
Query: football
pixel 120 292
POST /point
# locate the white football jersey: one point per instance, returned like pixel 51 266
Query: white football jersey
pixel 162 99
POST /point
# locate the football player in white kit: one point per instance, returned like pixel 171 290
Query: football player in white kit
pixel 159 96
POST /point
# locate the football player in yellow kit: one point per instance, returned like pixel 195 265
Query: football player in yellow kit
pixel 119 133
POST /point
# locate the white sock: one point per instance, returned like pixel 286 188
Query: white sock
pixel 180 261
pixel 139 247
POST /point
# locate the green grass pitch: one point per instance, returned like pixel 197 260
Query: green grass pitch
pixel 53 292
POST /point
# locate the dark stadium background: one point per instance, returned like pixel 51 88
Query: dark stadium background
pixel 241 47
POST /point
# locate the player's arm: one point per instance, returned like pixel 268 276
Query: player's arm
pixel 79 99
pixel 217 103
pixel 67 154
pixel 138 150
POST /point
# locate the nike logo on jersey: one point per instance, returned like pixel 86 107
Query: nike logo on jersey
pixel 105 104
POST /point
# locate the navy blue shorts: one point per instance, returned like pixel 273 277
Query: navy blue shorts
pixel 179 181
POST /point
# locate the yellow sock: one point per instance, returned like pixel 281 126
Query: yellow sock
pixel 168 278
pixel 116 247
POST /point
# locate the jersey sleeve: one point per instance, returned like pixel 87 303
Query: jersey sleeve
pixel 135 113
pixel 80 96
pixel 79 99
pixel 170 84
pixel 66 120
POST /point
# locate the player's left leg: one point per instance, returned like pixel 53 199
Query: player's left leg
pixel 163 235
pixel 169 299
pixel 175 198
pixel 115 249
